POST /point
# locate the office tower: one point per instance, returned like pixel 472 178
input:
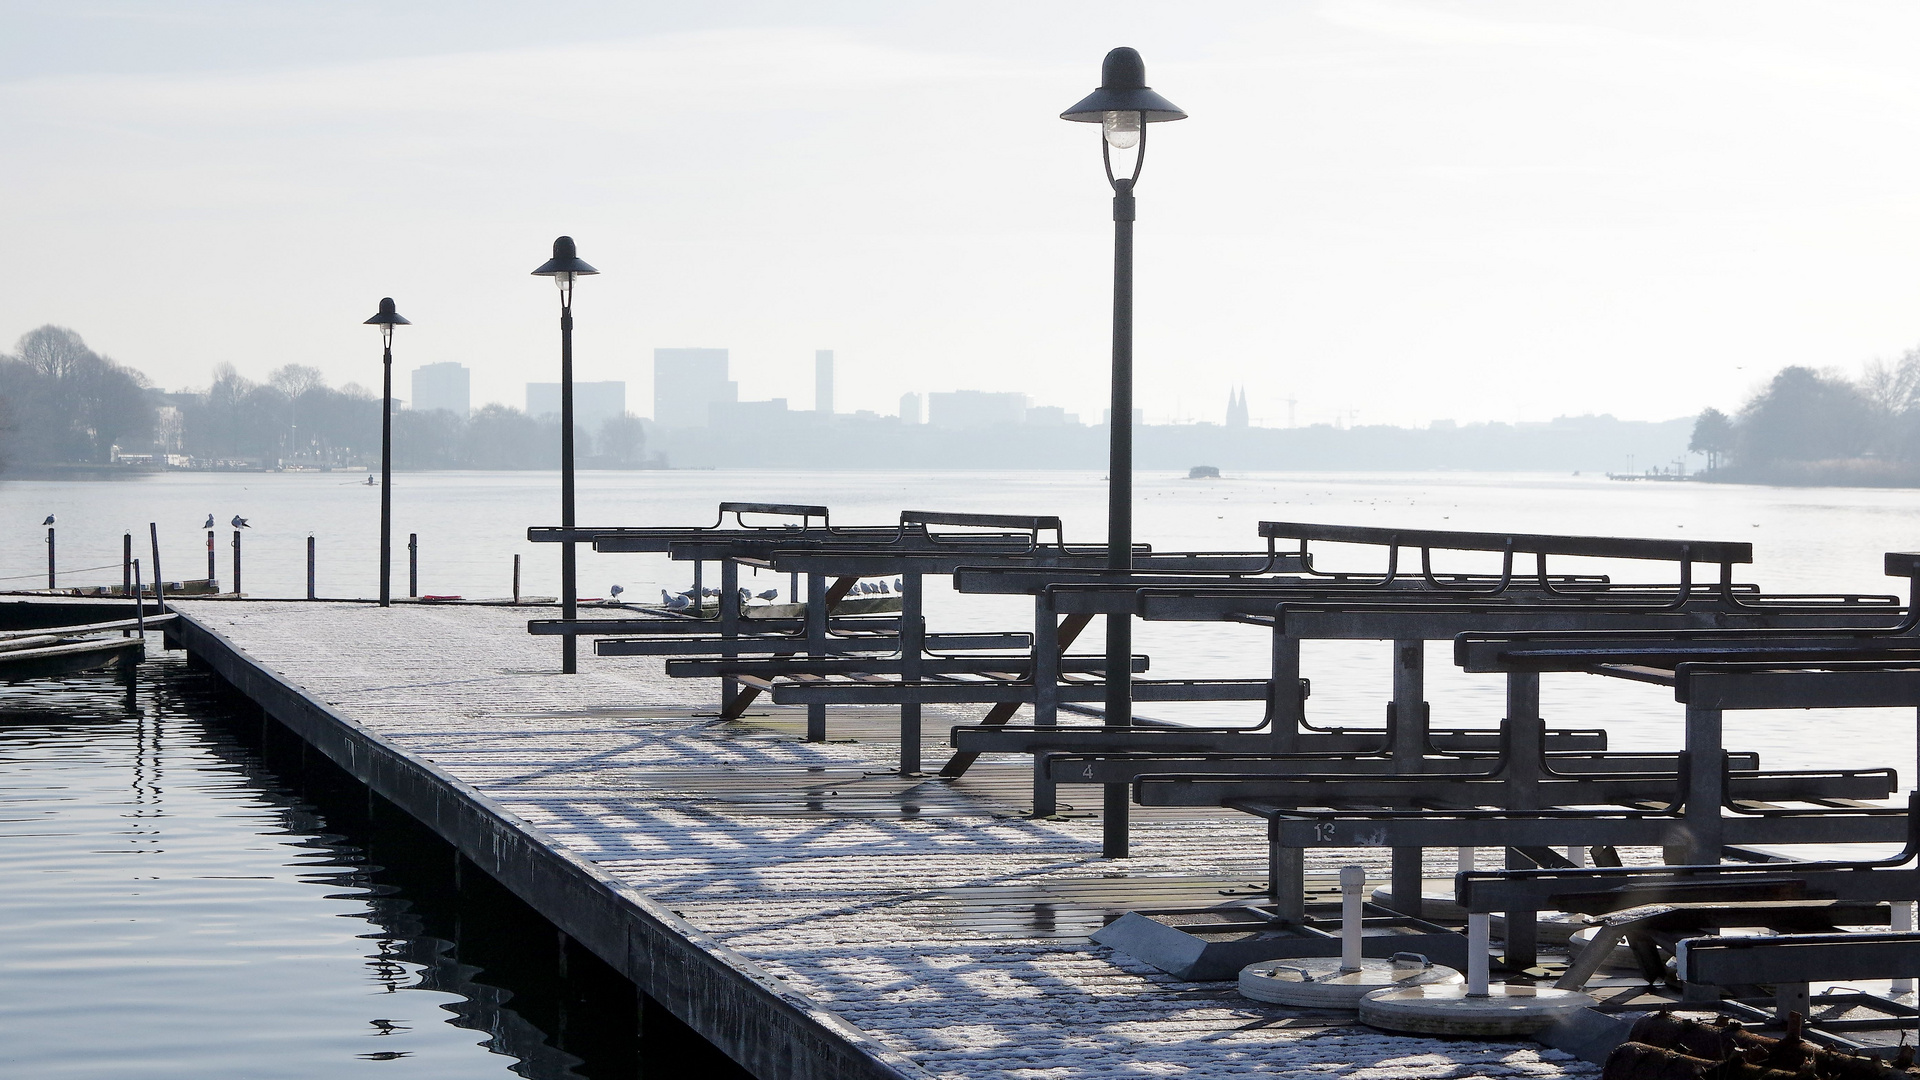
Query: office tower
pixel 909 408
pixel 594 403
pixel 446 386
pixel 686 383
pixel 975 409
pixel 823 381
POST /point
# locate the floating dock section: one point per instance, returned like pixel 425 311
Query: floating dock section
pixel 810 912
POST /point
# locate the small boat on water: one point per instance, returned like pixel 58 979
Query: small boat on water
pixel 50 652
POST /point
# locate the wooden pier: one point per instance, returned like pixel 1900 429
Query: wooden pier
pixel 810 913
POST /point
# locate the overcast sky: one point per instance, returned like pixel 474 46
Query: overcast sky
pixel 1409 210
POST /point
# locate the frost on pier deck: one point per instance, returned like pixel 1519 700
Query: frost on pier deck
pixel 923 911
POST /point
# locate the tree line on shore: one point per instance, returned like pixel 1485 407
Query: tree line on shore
pixel 63 403
pixel 1810 426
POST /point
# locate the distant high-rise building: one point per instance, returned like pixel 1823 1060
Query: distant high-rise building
pixel 686 383
pixel 975 409
pixel 823 381
pixel 594 403
pixel 1237 408
pixel 1051 416
pixel 909 408
pixel 446 386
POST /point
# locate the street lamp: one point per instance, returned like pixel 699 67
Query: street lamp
pixel 563 268
pixel 1123 106
pixel 386 319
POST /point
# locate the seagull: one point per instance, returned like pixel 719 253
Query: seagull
pixel 678 602
pixel 666 598
pixel 897 587
pixel 884 589
pixel 209 523
pixel 770 594
pixel 615 591
pixel 240 522
pixel 49 520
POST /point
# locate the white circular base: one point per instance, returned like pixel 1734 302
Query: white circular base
pixel 1318 982
pixel 1447 1010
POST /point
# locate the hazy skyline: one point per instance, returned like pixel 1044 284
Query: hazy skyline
pixel 1416 211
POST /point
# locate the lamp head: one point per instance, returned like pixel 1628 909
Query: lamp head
pixel 386 319
pixel 1124 101
pixel 565 265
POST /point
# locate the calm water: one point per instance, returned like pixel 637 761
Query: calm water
pixel 183 896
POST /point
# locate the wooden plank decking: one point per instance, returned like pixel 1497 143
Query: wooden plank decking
pixel 923 922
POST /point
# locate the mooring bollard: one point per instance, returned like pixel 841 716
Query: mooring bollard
pixel 236 562
pixel 1902 921
pixel 310 566
pixel 50 575
pixel 413 565
pixel 1353 882
pixel 159 583
pixel 516 579
pixel 1479 946
pixel 126 571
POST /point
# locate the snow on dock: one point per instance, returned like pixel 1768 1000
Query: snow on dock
pixel 925 913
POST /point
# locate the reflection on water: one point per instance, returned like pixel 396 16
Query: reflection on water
pixel 184 892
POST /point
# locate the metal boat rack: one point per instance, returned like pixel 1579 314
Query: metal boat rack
pixel 1723 645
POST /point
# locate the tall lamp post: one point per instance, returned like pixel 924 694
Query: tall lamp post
pixel 563 268
pixel 386 320
pixel 1123 106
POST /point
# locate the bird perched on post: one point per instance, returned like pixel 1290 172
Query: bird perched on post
pixel 240 522
pixel 49 520
pixel 615 591
pixel 770 594
pixel 209 523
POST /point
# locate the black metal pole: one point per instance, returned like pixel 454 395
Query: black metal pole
pixel 568 594
pixel 413 565
pixel 50 574
pixel 213 573
pixel 236 562
pixel 310 553
pixel 159 583
pixel 386 472
pixel 1116 798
